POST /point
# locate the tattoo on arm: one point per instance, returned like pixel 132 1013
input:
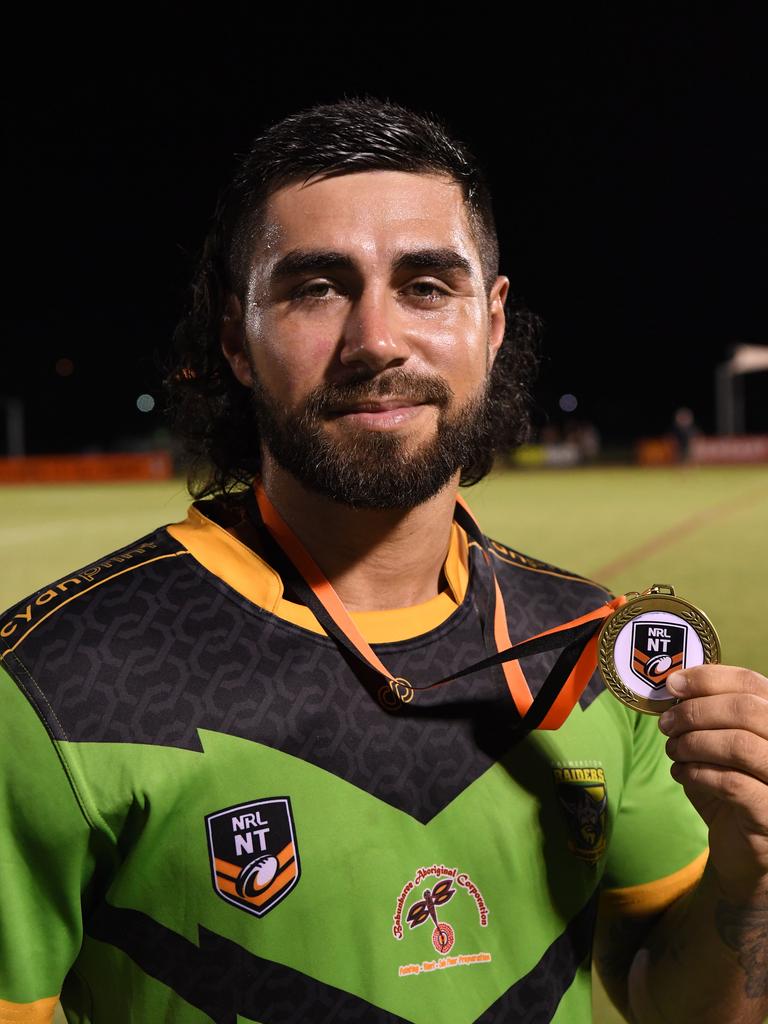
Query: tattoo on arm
pixel 745 931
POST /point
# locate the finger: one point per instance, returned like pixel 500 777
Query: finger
pixel 707 680
pixel 707 781
pixel 725 748
pixel 722 711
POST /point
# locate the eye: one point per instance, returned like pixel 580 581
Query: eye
pixel 310 290
pixel 428 292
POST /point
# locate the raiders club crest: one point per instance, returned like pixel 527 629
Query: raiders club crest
pixel 583 796
pixel 651 636
pixel 253 853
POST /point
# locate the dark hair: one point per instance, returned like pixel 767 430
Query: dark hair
pixel 208 408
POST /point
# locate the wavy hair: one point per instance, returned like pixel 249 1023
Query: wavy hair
pixel 208 409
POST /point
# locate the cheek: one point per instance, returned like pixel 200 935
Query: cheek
pixel 459 349
pixel 290 362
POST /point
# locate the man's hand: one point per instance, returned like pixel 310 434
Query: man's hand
pixel 718 740
pixel 704 960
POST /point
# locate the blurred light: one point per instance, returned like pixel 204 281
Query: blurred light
pixel 568 403
pixel 64 367
pixel 145 403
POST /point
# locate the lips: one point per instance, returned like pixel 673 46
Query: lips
pixel 379 405
pixel 371 401
pixel 382 414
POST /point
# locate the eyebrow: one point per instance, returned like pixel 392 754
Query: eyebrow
pixel 310 261
pixel 433 259
pixel 319 261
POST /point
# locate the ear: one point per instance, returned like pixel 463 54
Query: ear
pixel 233 341
pixel 496 318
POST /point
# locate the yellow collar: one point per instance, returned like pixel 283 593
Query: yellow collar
pixel 224 555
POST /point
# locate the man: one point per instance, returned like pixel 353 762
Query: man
pixel 242 795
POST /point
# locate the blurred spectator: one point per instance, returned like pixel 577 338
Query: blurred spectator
pixel 684 430
pixel 586 438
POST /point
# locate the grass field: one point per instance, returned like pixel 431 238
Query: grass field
pixel 704 530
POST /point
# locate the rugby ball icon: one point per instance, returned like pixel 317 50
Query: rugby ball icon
pixel 659 665
pixel 256 875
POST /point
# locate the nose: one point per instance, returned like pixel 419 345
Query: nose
pixel 372 336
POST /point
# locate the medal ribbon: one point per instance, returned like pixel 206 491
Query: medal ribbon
pixel 561 689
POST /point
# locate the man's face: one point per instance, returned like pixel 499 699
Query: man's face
pixel 368 336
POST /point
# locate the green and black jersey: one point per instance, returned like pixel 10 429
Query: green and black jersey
pixel 204 816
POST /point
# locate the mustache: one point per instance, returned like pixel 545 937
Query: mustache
pixel 413 387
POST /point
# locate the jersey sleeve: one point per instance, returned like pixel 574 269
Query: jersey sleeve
pixel 45 863
pixel 658 847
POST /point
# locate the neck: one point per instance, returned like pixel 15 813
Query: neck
pixel 373 559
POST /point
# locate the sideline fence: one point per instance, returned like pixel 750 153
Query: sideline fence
pixel 32 469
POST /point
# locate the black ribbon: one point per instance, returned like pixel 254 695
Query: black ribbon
pixel 572 640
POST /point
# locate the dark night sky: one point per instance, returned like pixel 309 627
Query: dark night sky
pixel 628 160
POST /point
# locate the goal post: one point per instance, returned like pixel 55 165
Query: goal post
pixel 729 386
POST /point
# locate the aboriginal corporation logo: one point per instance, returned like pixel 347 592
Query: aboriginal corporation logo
pixel 658 650
pixel 583 796
pixel 428 909
pixel 253 853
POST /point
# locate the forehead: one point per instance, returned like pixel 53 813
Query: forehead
pixel 368 214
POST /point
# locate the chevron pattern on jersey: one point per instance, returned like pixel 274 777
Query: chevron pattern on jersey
pixel 534 999
pixel 223 980
pixel 165 648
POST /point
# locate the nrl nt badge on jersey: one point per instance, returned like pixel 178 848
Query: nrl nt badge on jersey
pixel 253 853
pixel 653 635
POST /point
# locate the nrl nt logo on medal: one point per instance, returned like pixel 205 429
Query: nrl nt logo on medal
pixel 658 650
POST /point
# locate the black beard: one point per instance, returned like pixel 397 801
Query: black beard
pixel 372 469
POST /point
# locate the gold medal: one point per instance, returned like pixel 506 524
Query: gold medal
pixel 653 635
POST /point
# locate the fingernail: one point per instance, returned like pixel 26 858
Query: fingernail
pixel 665 722
pixel 677 683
